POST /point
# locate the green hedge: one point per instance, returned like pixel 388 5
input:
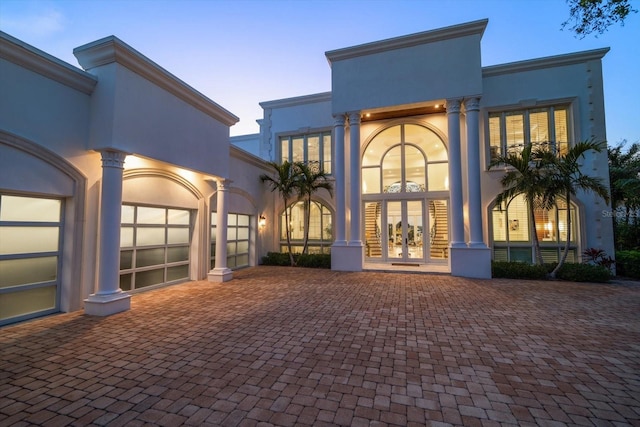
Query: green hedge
pixel 302 260
pixel 628 264
pixel 570 272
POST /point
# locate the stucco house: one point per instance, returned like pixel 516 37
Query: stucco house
pixel 117 176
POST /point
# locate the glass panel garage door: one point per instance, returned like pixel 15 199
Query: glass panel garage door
pixel 154 246
pixel 30 245
pixel 237 240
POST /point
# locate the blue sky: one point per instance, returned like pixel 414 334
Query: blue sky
pixel 242 52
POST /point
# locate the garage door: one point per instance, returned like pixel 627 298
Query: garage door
pixel 30 247
pixel 154 246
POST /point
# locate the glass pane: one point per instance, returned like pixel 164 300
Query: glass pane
pixel 539 126
pixel 243 233
pixel 297 150
pixel 231 262
pixel 380 144
pixel 284 150
pixel 125 281
pixel 126 237
pixel 232 233
pixel 150 236
pixel 499 218
pixel 147 257
pixel 394 225
pixel 549 255
pixel 296 219
pixel 178 254
pixel 149 278
pixel 27 271
pixel 501 254
pixel 231 248
pixel 178 272
pixel 29 301
pixel 315 222
pixel 438 229
pixel 29 209
pixel 520 254
pixel 214 219
pixel 213 234
pixel 326 156
pixel 373 229
pixel 495 138
pixel 371 180
pixel 392 171
pixel 178 217
pixel 243 247
pixel 242 260
pixel 177 235
pixel 243 220
pixel 232 219
pixel 313 150
pixel 151 215
pixel 438 176
pixel 127 214
pixel 414 165
pixel 24 240
pixel 415 230
pixel 561 123
pixel 327 231
pixel 518 218
pixel 126 260
pixel 514 123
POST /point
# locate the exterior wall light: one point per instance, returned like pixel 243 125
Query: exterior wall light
pixel 262 221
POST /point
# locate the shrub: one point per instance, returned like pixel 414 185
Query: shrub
pixel 518 270
pixel 584 273
pixel 628 264
pixel 302 260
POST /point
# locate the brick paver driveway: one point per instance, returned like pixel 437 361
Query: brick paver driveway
pixel 281 346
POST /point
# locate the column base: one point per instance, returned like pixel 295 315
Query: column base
pixel 106 305
pixel 471 262
pixel 220 275
pixel 347 258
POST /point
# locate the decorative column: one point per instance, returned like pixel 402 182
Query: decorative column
pixel 339 175
pixel 355 238
pixel 455 174
pixel 109 298
pixel 221 273
pixel 472 108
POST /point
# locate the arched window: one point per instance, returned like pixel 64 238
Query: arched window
pixel 320 231
pixel 512 237
pixel 405 158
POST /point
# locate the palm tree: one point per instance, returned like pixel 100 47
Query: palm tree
pixel 624 176
pixel 525 176
pixel 285 182
pixel 309 181
pixel 567 179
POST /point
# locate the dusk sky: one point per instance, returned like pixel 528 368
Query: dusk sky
pixel 240 53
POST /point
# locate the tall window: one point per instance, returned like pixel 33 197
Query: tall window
pixel 511 131
pixel 320 231
pixel 512 236
pixel 313 149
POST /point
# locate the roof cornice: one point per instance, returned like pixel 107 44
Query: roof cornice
pixel 247 157
pixel 24 55
pixel 461 30
pixel 546 62
pixel 298 100
pixel 111 49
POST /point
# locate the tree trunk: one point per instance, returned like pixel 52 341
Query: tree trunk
pixel 286 219
pixel 536 242
pixel 307 221
pixel 566 244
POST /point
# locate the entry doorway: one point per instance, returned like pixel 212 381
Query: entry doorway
pixel 405 231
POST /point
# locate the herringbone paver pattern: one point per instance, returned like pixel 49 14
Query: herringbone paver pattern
pixel 281 346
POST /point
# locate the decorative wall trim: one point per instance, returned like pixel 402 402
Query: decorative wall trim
pixel 161 173
pixel 24 55
pixel 546 62
pixel 298 100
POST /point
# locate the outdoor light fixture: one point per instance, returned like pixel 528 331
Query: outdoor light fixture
pixel 262 221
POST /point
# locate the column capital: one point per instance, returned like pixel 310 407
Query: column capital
pixel 472 104
pixel 453 105
pixel 354 118
pixel 223 184
pixel 113 159
pixel 339 119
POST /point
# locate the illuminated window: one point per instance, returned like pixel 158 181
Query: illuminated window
pixel 238 228
pixel 320 231
pixel 511 131
pixel 513 238
pixel 313 149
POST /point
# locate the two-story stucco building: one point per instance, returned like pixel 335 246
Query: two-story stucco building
pixel 117 176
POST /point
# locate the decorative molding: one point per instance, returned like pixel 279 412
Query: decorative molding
pixel 472 104
pixel 298 100
pixel 546 62
pixel 453 106
pixel 339 120
pixel 111 49
pixel 24 55
pixel 452 32
pixel 223 184
pixel 247 157
pixel 161 173
pixel 113 159
pixel 354 118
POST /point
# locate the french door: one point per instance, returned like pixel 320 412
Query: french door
pixel 405 230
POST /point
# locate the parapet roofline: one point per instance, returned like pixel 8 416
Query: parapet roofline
pixel 454 31
pixel 111 49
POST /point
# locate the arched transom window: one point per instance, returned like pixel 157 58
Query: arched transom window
pixel 405 158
